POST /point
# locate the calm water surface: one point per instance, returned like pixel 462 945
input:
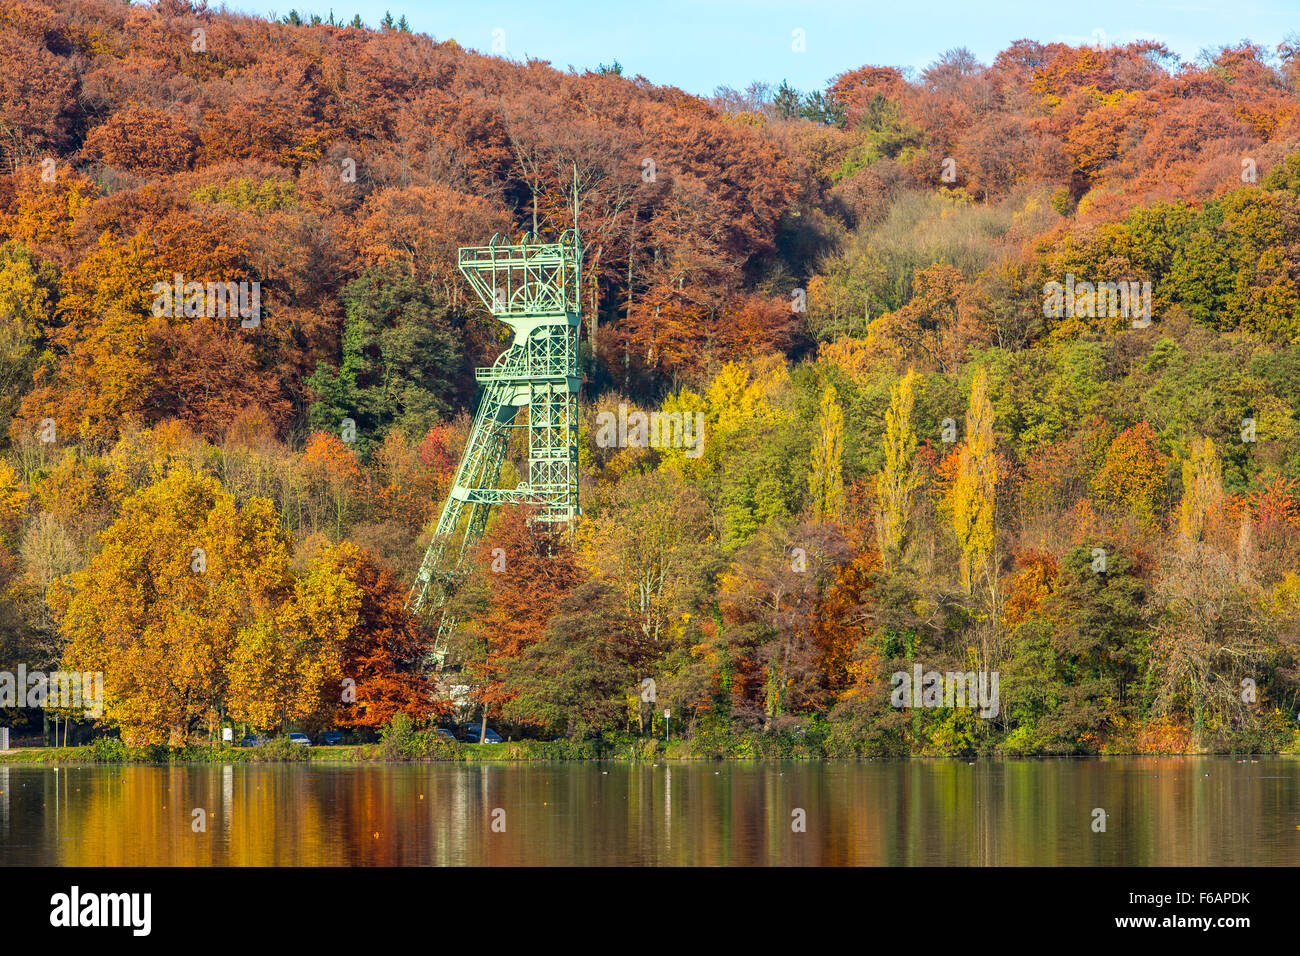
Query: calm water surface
pixel 1160 811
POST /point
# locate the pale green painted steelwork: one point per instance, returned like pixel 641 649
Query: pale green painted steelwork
pixel 536 289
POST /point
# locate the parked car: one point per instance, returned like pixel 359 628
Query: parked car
pixel 445 732
pixel 301 739
pixel 472 731
pixel 252 740
pixel 331 738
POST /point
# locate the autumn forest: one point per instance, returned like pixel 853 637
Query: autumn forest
pixel 997 367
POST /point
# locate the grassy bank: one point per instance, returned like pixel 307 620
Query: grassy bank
pixel 422 746
pixel 526 750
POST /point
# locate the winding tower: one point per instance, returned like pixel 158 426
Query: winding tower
pixel 535 288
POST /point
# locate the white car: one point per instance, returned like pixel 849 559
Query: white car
pixel 302 739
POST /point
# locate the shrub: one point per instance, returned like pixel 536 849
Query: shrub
pixel 108 750
pixel 279 749
pixel 398 739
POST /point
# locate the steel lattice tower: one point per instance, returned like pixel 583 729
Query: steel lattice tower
pixel 535 288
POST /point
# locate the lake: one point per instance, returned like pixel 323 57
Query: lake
pixel 1158 811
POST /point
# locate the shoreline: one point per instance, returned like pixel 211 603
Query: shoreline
pixel 517 752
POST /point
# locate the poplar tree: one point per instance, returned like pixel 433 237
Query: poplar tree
pixel 826 480
pixel 973 489
pixel 897 482
pixel 1202 488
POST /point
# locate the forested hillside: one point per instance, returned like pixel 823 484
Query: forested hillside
pixel 908 456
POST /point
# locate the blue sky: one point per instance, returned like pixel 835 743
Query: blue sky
pixel 700 44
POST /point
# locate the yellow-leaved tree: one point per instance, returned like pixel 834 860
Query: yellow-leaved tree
pixel 645 538
pixel 13 500
pixel 897 481
pixel 104 319
pixel 181 578
pixel 744 397
pixel 826 479
pixel 25 307
pixel 976 483
pixel 283 663
pixel 1202 489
